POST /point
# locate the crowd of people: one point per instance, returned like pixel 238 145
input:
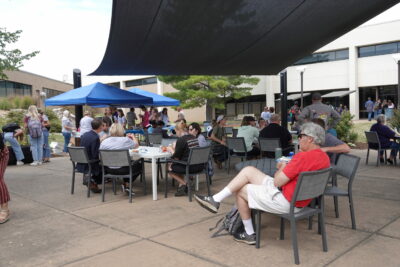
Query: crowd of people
pixel 378 107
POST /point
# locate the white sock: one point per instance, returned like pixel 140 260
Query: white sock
pixel 248 226
pixel 224 193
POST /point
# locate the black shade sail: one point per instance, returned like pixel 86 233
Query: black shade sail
pixel 225 37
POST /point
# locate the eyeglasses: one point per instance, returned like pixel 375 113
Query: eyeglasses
pixel 302 135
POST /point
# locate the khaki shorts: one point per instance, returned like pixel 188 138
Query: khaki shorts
pixel 267 197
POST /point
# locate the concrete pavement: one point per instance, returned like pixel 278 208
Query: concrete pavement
pixel 51 227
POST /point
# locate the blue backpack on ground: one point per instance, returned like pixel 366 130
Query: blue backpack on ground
pixel 231 222
pixel 35 128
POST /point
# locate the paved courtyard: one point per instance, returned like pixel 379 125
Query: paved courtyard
pixel 51 227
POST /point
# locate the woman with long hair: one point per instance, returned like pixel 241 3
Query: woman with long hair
pixel 66 130
pixel 33 122
pixel 4 195
pixel 121 118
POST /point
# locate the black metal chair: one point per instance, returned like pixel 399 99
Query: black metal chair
pixel 266 165
pixel 79 154
pixel 346 166
pixel 237 148
pixel 375 144
pixel 310 185
pixel 116 158
pixel 228 130
pixel 197 156
pixel 270 144
pixel 234 132
pixel 154 139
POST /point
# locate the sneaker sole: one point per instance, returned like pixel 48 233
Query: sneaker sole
pixel 206 205
pixel 245 241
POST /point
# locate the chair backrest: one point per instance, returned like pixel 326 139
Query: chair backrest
pixel 269 144
pixel 168 141
pixel 154 139
pixel 234 132
pixel 236 143
pixel 199 155
pixel 266 165
pixel 115 158
pixel 347 165
pixel 228 130
pixel 372 138
pixel 78 154
pixel 311 185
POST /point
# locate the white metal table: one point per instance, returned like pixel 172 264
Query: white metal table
pixel 152 153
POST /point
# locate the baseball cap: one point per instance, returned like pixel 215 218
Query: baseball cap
pixel 220 118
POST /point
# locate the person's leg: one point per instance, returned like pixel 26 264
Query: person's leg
pixel 46 147
pixel 34 144
pixel 395 148
pixel 40 148
pixel 65 141
pixel 9 137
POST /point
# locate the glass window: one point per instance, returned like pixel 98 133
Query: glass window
pixel 342 54
pixel 150 80
pixel 133 83
pixel 116 84
pixel 366 51
pixel 384 49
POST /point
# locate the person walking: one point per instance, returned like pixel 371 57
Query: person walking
pixel 33 122
pixel 266 115
pixel 11 131
pixel 377 108
pixel 66 130
pixel 4 194
pixel 369 106
pixel 131 118
pixel 46 133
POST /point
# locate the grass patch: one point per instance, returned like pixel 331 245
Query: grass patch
pixel 360 128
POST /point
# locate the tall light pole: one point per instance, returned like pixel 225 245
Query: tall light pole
pixel 301 69
pixel 397 60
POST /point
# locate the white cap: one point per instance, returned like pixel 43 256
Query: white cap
pixel 220 118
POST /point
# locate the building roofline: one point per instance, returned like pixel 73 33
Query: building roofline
pixel 378 23
pixel 44 77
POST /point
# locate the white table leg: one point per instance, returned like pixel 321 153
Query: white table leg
pixel 154 177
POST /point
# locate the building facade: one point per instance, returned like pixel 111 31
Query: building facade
pixel 23 83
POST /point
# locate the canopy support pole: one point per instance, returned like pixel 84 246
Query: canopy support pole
pixel 284 112
pixel 78 109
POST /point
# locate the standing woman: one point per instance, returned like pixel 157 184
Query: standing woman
pixel 4 195
pixel 46 132
pixel 164 116
pixel 67 128
pixel 121 118
pixel 145 117
pixel 33 122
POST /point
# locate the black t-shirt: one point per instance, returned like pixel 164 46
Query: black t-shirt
pixel 183 144
pixel 274 130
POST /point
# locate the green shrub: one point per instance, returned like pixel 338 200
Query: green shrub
pixel 16 102
pixel 55 122
pixel 395 120
pixel 5 104
pixel 26 102
pixel 16 116
pixel 345 128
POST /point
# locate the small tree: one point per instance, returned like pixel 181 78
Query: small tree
pixel 11 59
pixel 395 120
pixel 345 127
pixel 198 90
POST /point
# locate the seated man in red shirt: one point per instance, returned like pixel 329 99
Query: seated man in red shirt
pixel 254 189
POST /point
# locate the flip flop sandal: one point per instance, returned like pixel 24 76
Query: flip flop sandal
pixel 4 216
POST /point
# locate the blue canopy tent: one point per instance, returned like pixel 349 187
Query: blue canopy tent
pixel 158 100
pixel 98 94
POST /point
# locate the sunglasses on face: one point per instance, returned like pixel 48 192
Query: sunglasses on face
pixel 302 135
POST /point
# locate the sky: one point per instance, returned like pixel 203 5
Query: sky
pixel 73 33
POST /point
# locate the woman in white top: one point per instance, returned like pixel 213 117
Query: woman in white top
pixel 120 118
pixel 66 130
pixel 164 116
pixel 85 125
pixel 116 140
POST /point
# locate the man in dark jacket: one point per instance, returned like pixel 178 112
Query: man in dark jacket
pixel 385 134
pixel 275 130
pixel 91 141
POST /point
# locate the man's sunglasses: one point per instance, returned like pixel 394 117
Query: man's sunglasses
pixel 302 135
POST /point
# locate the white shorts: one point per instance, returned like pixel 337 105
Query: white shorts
pixel 267 197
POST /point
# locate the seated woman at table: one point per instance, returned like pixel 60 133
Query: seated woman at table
pixel 116 140
pixel 385 134
pixel 250 133
pixel 195 130
pixel 181 151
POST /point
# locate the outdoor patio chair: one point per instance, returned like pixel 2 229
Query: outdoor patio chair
pixel 116 158
pixel 234 132
pixel 375 144
pixel 266 165
pixel 79 154
pixel 310 185
pixel 238 144
pixel 270 144
pixel 346 166
pixel 154 139
pixel 228 130
pixel 197 156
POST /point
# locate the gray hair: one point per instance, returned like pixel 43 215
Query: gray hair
pixel 381 119
pixel 315 131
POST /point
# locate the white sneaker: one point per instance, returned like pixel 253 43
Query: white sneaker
pixel 39 163
pixel 35 163
pixel 20 163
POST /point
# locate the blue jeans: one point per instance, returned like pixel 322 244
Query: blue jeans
pixel 9 137
pixel 46 147
pixel 370 115
pixel 395 148
pixel 67 138
pixel 36 148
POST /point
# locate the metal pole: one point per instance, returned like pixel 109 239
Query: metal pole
pixel 301 92
pixel 284 111
pixel 77 84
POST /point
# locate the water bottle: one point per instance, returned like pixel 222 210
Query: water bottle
pixel 278 153
pixel 291 154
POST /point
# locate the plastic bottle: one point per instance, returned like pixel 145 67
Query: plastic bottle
pixel 291 154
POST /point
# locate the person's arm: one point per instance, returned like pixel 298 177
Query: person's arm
pixel 215 139
pixel 135 142
pixel 280 177
pixel 336 118
pixel 304 115
pixel 343 148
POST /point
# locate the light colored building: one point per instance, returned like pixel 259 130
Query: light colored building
pixel 23 83
pixel 357 65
